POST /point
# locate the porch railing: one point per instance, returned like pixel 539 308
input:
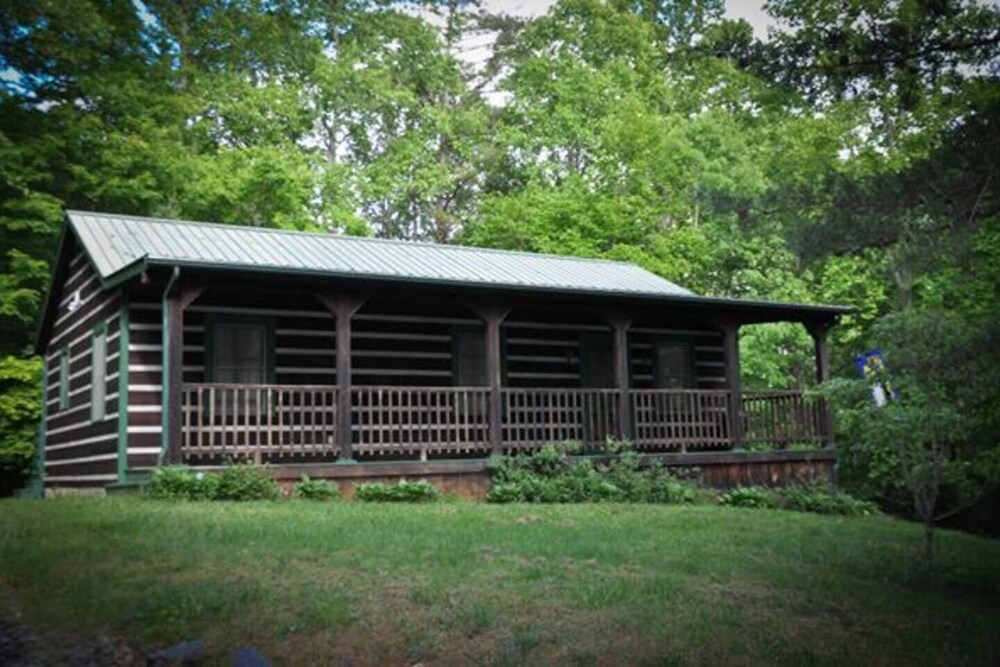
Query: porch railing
pixel 783 418
pixel 251 420
pixel 275 422
pixel 681 418
pixel 533 417
pixel 421 420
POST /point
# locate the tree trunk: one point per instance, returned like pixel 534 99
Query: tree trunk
pixel 929 542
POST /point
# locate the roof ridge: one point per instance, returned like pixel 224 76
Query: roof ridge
pixel 369 239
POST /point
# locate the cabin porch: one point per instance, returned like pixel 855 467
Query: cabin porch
pixel 276 424
pixel 301 376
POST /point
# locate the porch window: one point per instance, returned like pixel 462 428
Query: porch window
pixel 239 353
pixel 98 373
pixel 673 364
pixel 597 361
pixel 469 358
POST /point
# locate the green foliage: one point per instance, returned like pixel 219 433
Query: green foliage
pixel 401 492
pixel 755 497
pixel 235 482
pixel 816 498
pixel 245 482
pixel 19 417
pixel 550 475
pixel 173 483
pixel 820 499
pixel 316 489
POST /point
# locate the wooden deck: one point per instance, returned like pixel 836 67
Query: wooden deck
pixel 303 423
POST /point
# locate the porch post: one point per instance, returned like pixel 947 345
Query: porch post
pixel 731 347
pixel 818 331
pixel 620 324
pixel 343 308
pixel 175 303
pixel 492 316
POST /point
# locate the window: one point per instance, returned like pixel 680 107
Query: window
pixel 239 353
pixel 597 361
pixel 673 364
pixel 469 360
pixel 98 373
pixel 64 378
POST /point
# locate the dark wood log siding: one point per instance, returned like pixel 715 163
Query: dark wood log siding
pixel 709 356
pixel 145 377
pixel 542 347
pixel 79 451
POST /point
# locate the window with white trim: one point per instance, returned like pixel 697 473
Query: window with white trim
pixel 64 378
pixel 99 374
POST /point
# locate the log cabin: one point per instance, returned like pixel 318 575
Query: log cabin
pixel 171 342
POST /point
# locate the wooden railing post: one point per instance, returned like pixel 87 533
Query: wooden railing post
pixel 818 331
pixel 731 347
pixel 175 303
pixel 619 326
pixel 343 307
pixel 493 316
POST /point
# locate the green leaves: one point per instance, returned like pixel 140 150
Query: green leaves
pixel 20 410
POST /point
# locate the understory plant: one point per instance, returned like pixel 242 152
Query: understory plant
pixel 401 492
pixel 815 497
pixel 234 482
pixel 316 489
pixel 551 475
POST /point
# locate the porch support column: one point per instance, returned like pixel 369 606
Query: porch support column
pixel 175 302
pixel 493 315
pixel 731 348
pixel 818 331
pixel 343 307
pixel 620 324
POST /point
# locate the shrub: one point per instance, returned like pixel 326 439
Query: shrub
pixel 173 483
pixel 245 482
pixel 20 410
pixel 817 498
pixel 550 476
pixel 316 489
pixel 401 492
pixel 235 482
pixel 749 496
pixel 824 500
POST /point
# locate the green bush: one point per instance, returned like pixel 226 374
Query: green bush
pixel 824 500
pixel 316 489
pixel 551 476
pixel 817 498
pixel 20 411
pixel 235 482
pixel 173 483
pixel 245 482
pixel 401 492
pixel 749 496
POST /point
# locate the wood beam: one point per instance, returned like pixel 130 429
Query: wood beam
pixel 343 307
pixel 731 349
pixel 620 324
pixel 176 303
pixel 493 315
pixel 818 331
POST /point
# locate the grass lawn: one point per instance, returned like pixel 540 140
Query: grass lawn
pixel 479 584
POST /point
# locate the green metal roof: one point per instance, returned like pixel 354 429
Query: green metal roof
pixel 117 243
pixel 122 246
